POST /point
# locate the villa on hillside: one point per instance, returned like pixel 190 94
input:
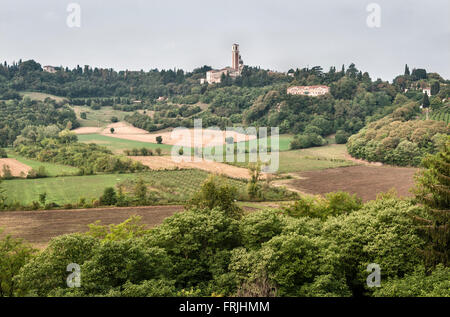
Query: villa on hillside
pixel 49 69
pixel 427 91
pixel 312 91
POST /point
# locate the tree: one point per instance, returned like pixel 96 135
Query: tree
pixel 2 196
pixel 140 191
pixel 109 197
pixel 435 87
pixel 341 137
pixel 112 130
pixel 407 73
pixel 425 101
pixel 158 151
pixel 214 195
pixel 114 119
pixel 49 267
pixel 419 283
pixel 433 191
pixel 3 153
pixel 253 186
pixel 14 254
pixel 42 198
pixel 66 137
pixel 159 139
pixel 6 172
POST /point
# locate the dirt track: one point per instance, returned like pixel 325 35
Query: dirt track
pixel 17 169
pixel 365 181
pixel 38 227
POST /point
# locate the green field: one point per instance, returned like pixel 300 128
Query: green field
pixel 98 118
pixel 60 190
pixel 51 168
pixel 167 186
pixel 313 159
pixel 118 145
pixel 40 96
pixel 329 156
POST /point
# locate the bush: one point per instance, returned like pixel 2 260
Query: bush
pixel 341 137
pixel 3 153
pixel 418 284
pixel 333 204
pixel 214 195
pixel 6 172
pixel 109 197
pixel 307 140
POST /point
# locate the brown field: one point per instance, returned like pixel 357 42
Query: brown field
pixel 39 227
pixel 166 162
pixel 87 130
pixel 17 169
pixel 126 131
pixel 364 181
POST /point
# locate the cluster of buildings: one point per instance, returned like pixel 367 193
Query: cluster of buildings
pixel 215 76
pixel 49 69
pixel 426 90
pixel 312 91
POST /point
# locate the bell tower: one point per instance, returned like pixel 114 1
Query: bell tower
pixel 235 57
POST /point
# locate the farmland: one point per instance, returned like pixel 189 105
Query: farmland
pixel 329 156
pixel 440 115
pixel 168 186
pixel 41 96
pixel 364 181
pixel 119 145
pixel 98 118
pixel 52 169
pixel 39 227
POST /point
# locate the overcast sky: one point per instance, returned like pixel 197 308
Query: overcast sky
pixel 275 34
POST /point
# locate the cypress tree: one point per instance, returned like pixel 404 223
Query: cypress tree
pixel 425 101
pixel 407 70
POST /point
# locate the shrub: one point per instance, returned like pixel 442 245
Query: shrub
pixel 6 172
pixel 333 204
pixel 341 137
pixel 3 153
pixel 109 197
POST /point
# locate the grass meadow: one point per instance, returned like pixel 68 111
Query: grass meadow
pixel 98 118
pixel 51 168
pixel 118 145
pixel 166 186
pixel 316 158
pixel 41 96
